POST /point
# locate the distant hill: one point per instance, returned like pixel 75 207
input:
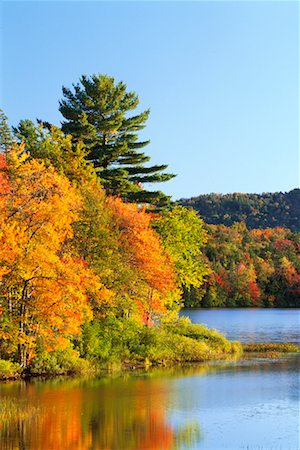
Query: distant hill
pixel 267 210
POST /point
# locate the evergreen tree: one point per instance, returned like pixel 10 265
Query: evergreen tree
pixel 5 134
pixel 96 113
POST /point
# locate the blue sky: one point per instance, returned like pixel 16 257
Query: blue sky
pixel 221 80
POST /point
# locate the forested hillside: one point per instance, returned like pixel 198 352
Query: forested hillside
pixel 267 210
pixel 259 267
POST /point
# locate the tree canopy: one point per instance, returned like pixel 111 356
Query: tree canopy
pixel 258 268
pixel 183 235
pixel 68 252
pixel 267 210
pixel 43 282
pixel 5 134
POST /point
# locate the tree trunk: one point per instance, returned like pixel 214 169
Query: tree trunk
pixel 22 346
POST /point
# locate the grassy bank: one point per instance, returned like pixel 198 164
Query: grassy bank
pixel 270 349
pixel 262 347
pixel 116 343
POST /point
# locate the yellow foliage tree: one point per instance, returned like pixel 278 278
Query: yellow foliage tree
pixel 44 287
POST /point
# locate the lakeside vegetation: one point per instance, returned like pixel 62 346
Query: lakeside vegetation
pixel 120 343
pixel 94 268
pixel 262 347
pixel 270 349
pixel 88 277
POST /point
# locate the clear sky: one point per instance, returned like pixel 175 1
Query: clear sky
pixel 221 80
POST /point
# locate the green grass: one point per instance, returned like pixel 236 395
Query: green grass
pixel 270 347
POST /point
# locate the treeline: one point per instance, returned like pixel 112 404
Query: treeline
pixel 86 274
pixel 258 268
pixel 267 210
pixel 94 268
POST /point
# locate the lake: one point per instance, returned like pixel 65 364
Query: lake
pixel 251 324
pixel 249 404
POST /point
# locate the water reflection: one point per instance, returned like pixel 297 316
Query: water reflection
pixel 95 414
pixel 182 408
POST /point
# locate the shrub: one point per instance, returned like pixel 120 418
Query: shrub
pixel 58 362
pixel 114 339
pixel 9 369
pixel 170 348
pixel 215 340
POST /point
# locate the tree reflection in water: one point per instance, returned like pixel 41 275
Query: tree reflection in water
pixel 95 414
pixel 137 411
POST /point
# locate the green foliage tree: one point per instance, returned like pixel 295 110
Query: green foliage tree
pixel 182 234
pixel 55 149
pixel 96 113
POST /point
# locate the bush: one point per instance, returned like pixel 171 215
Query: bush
pixel 171 348
pixel 215 340
pixel 9 369
pixel 113 339
pixel 58 362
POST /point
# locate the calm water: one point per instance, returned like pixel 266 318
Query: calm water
pixel 251 325
pixel 239 405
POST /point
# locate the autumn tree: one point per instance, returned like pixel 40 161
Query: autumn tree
pixel 182 234
pixel 144 254
pixel 98 238
pixel 44 285
pixel 53 148
pixel 246 290
pixel 285 284
pixel 96 112
pixel 258 267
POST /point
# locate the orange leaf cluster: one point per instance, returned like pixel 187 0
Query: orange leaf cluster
pixel 44 287
pixel 143 252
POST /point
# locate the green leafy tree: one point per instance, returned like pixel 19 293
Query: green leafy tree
pixel 96 113
pixel 183 236
pixel 55 149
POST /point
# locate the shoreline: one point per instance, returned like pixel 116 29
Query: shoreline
pixel 266 351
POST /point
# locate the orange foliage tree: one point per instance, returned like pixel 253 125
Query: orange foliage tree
pixel 43 286
pixel 143 252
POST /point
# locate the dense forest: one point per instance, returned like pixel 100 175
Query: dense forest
pixel 92 265
pixel 267 210
pixel 253 250
pixel 259 267
pixel 94 268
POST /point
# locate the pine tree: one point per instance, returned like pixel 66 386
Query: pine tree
pixel 5 134
pixel 96 113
